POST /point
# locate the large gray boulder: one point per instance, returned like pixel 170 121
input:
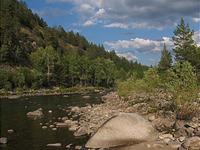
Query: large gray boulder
pixel 123 129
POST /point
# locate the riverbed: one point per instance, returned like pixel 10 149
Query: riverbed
pixel 28 134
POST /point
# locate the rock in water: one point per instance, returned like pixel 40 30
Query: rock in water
pixel 54 145
pixel 3 140
pixel 123 129
pixel 35 114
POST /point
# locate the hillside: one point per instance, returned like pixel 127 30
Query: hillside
pixel 31 50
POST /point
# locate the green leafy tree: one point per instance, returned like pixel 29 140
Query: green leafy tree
pixel 166 59
pixel 183 42
pixel 45 60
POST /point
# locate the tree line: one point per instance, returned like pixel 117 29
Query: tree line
pixel 34 55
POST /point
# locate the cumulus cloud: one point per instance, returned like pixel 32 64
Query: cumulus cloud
pixel 135 13
pixel 128 55
pixel 127 48
pixel 117 25
pixel 140 45
pixel 196 19
pixel 88 23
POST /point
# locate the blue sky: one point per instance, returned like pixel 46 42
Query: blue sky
pixel 136 29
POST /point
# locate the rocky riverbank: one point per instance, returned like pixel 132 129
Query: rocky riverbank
pixel 179 134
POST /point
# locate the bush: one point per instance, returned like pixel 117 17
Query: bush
pixel 149 83
pixel 5 80
pixel 152 79
pixel 38 79
pixel 182 83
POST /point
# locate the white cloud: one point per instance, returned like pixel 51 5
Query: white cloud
pixel 128 55
pixel 196 19
pixel 135 13
pixel 117 25
pixel 100 12
pixel 88 23
pixel 139 44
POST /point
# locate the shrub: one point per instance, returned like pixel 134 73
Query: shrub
pixel 152 79
pixel 181 81
pixel 38 78
pixel 149 83
pixel 5 80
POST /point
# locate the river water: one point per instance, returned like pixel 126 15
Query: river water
pixel 28 134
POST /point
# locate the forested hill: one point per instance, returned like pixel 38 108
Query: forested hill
pixel 35 55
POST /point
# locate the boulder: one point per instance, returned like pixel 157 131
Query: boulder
pixel 123 129
pixel 37 114
pixel 146 146
pixel 3 140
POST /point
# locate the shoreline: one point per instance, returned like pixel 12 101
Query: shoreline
pixel 50 92
pixel 172 132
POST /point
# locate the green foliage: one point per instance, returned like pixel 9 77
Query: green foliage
pixel 183 41
pixel 166 60
pixel 151 78
pixel 5 80
pixel 149 83
pixel 182 82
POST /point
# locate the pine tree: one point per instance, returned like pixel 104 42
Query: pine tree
pixel 183 42
pixel 166 59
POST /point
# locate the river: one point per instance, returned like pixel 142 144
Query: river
pixel 28 134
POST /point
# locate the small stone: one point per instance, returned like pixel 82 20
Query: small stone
pixel 66 96
pixel 175 146
pixel 193 125
pixel 189 131
pixel 64 118
pixel 75 109
pixel 54 145
pixel 182 138
pixel 197 132
pixel 68 146
pixel 77 147
pixel 151 118
pixel 54 129
pixel 166 140
pixel 81 131
pixel 61 125
pixel 10 131
pixel 3 140
pixel 44 127
pixel 50 111
pixel 73 128
pixel 51 126
pixel 163 136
